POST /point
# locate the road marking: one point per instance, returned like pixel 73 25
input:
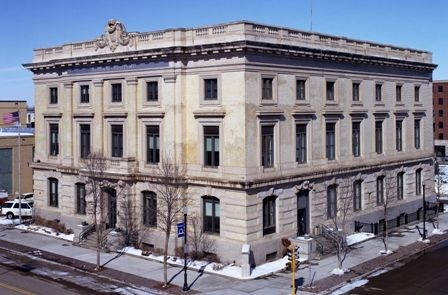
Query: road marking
pixel 18 290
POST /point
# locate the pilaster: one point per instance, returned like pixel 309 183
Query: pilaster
pixel 66 130
pixel 97 128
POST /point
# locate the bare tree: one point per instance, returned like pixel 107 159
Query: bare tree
pixel 440 180
pixel 389 195
pixel 200 241
pixel 93 169
pixel 171 199
pixel 127 213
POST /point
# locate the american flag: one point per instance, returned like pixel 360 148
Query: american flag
pixel 10 118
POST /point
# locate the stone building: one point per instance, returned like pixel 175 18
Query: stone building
pixel 440 102
pixel 268 121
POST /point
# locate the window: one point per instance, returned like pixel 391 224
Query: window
pixel 53 192
pixel 357 195
pixel 266 88
pixel 80 198
pixel 380 190
pixel 398 93
pixel 267 146
pixel 152 91
pixel 440 135
pixel 331 202
pixel 152 145
pixel 356 139
pixel 417 134
pixel 378 92
pixel 85 140
pixel 53 95
pixel 440 88
pixel 440 101
pixel 269 215
pixel 210 89
pixel 300 88
pixel 440 113
pixel 379 137
pixel 211 146
pixel 416 93
pixel 355 91
pixel 84 94
pixel 54 139
pixel 301 143
pixel 212 213
pixel 330 141
pixel 116 92
pixel 418 182
pixel 400 186
pixel 117 141
pixel 330 90
pixel 399 135
pixel 149 208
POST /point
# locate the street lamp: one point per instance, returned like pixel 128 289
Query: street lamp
pixel 424 215
pixel 186 287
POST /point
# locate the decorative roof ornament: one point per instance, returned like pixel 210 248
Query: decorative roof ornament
pixel 115 34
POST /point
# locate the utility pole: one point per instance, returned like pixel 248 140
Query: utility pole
pixel 186 287
pixel 19 158
pixel 424 215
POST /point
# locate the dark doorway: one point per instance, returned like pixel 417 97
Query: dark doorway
pixel 111 208
pixel 302 213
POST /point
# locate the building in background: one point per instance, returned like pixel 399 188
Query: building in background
pixel 10 106
pixel 30 117
pixel 271 123
pixel 440 102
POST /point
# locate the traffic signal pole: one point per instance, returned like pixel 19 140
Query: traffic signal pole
pixel 293 268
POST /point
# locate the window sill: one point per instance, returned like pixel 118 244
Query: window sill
pixel 268 102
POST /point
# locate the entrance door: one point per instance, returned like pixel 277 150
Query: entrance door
pixel 302 213
pixel 112 208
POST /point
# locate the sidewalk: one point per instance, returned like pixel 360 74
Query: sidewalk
pixel 363 258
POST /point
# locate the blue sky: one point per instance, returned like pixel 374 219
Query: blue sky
pixel 34 24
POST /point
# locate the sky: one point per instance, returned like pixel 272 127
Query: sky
pixel 29 24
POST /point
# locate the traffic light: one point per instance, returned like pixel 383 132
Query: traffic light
pixel 293 258
pixel 296 256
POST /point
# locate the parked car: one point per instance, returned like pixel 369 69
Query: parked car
pixel 3 196
pixel 27 197
pixel 11 209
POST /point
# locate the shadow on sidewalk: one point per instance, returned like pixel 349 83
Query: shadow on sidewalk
pixel 119 254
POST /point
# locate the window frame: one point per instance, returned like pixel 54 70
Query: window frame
pixel 398 92
pixel 332 201
pixel 417 134
pixel 152 91
pixel 379 137
pixel 116 96
pixel 301 92
pixel 301 143
pixel 269 215
pixel 54 95
pixel 400 185
pixel 83 97
pixel 356 139
pixel 330 90
pixel 152 137
pixel 149 208
pixel 357 195
pixel 399 135
pixel 267 150
pixel 418 182
pixel 214 93
pixel 116 151
pixel 378 92
pixel 85 148
pixel 416 93
pixel 53 150
pixel 212 223
pixel 330 145
pixel 53 195
pixel 215 140
pixel 81 204
pixel 380 190
pixel 356 91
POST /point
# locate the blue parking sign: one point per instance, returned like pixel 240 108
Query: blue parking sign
pixel 180 230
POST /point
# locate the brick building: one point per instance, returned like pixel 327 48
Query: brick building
pixel 440 102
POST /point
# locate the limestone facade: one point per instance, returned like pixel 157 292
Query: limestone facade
pixel 253 73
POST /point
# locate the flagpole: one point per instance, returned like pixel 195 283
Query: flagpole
pixel 20 170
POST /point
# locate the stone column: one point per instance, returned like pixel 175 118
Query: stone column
pixel 172 121
pixel 131 108
pixel 66 127
pixel 97 125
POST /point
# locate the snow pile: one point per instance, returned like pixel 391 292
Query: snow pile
pixel 4 221
pixel 358 238
pixel 46 231
pixel 379 272
pixel 231 270
pixel 426 241
pixel 437 231
pixel 384 252
pixel 350 287
pixel 338 271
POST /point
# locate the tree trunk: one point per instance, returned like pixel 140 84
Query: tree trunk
pixel 165 262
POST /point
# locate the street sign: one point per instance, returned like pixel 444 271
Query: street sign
pixel 180 230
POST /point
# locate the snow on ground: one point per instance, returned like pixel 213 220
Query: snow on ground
pixel 437 231
pixel 46 231
pixel 379 272
pixel 5 221
pixel 388 252
pixel 443 170
pixel 338 271
pixel 424 241
pixel 349 287
pixel 359 237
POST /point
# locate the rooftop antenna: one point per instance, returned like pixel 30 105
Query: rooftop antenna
pixel 311 17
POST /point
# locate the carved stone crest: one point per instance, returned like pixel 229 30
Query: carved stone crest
pixel 115 34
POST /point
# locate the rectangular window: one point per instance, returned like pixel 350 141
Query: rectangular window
pixel 400 186
pixel 357 195
pixel 210 89
pixel 355 91
pixel 117 140
pixel 149 209
pixel 85 140
pixel 267 88
pixel 211 215
pixel 267 146
pixel 116 92
pixel 417 134
pixel 54 139
pixel 211 146
pixel 152 144
pixel 152 91
pixel 53 192
pixel 379 137
pixel 378 92
pixel 269 225
pixel 330 137
pixel 440 101
pixel 398 93
pixel 300 88
pixel 356 139
pixel 440 88
pixel 418 182
pixel 399 135
pixel 380 190
pixel 416 93
pixel 53 95
pixel 84 89
pixel 440 113
pixel 330 90
pixel 301 143
pixel 440 135
pixel 80 198
pixel 331 202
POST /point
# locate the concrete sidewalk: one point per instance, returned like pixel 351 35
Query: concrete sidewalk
pixel 278 283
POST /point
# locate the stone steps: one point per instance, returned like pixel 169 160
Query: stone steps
pixel 90 241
